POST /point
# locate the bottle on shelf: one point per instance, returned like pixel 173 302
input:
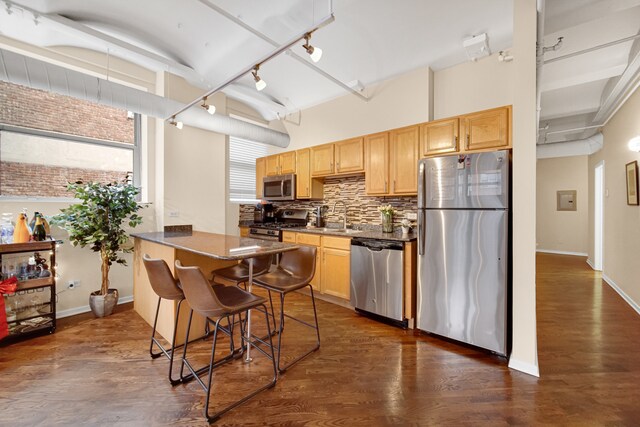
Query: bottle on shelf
pixel 39 232
pixel 21 233
pixel 32 223
pixel 6 228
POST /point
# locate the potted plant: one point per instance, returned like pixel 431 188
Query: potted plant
pixel 98 221
pixel 386 217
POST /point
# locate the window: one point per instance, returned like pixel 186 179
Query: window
pixel 47 140
pixel 242 168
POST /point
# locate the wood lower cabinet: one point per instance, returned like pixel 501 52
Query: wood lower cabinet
pixel 404 160
pixel 260 173
pixel 439 137
pixel 306 187
pixel 244 231
pixel 489 129
pixel 376 163
pixel 349 156
pixel 336 266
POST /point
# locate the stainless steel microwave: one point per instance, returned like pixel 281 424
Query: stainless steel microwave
pixel 279 187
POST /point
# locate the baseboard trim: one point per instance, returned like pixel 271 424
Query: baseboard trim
pixel 620 292
pixel 85 308
pixel 551 251
pixel 525 367
pixel 590 264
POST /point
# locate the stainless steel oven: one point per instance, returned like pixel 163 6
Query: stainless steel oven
pixel 264 233
pixel 279 187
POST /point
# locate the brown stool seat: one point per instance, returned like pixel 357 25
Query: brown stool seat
pixel 217 303
pixel 239 273
pixel 295 271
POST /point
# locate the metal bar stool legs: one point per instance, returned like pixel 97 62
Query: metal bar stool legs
pixel 163 351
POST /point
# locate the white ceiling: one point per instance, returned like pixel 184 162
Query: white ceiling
pixel 369 41
pixel 575 90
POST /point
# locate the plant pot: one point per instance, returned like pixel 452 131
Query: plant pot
pixel 102 305
pixel 405 230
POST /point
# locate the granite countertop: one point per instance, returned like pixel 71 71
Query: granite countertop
pixel 218 246
pixel 368 234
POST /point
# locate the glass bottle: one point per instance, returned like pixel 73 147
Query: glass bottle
pixel 21 232
pixel 39 232
pixel 32 223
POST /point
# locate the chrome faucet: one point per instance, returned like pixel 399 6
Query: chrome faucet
pixel 344 223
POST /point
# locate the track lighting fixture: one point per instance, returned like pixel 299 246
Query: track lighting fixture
pixel 260 84
pixel 314 52
pixel 211 109
pixel 175 123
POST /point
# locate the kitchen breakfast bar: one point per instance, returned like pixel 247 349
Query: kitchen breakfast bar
pixel 207 251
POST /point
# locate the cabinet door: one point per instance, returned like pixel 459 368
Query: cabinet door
pixel 272 165
pixel 349 155
pixel 244 231
pixel 322 160
pixel 303 175
pixel 287 162
pixel 260 173
pixel 404 160
pixel 336 271
pixel 439 137
pixel 486 129
pixel 376 163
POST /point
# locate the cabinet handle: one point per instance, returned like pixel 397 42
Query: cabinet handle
pixel 385 186
pixel 307 191
pixel 455 142
pixel 394 186
pixel 467 141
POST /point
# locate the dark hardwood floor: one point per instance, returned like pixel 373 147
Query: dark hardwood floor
pixel 98 371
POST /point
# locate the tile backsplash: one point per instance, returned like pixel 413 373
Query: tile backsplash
pixel 362 209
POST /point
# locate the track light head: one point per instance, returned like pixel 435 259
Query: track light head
pixel 314 52
pixel 260 84
pixel 211 109
pixel 175 123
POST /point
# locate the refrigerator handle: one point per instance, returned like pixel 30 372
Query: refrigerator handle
pixel 421 188
pixel 421 228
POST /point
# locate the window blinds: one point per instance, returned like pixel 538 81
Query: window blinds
pixel 242 168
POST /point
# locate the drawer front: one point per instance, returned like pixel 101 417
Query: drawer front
pixel 308 239
pixel 343 243
pixel 289 236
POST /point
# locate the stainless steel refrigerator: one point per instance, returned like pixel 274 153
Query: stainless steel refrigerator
pixel 463 226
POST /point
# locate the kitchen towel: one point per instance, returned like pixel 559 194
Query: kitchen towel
pixel 8 286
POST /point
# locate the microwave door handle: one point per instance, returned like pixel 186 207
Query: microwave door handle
pixel 282 187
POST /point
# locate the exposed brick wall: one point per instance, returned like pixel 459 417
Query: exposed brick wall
pixel 27 179
pixel 39 109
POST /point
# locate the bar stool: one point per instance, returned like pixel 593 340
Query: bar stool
pixel 219 303
pixel 239 274
pixel 167 287
pixel 295 271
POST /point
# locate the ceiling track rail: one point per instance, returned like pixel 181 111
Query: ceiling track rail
pixel 251 66
pixel 591 49
pixel 291 53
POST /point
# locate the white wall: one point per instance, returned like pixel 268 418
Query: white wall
pixel 394 103
pixel 562 231
pixel 473 86
pixel 621 268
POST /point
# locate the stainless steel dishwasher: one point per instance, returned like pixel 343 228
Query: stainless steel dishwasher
pixel 377 270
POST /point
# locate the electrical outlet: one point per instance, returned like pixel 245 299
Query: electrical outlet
pixel 72 284
pixel 412 216
pixel 174 214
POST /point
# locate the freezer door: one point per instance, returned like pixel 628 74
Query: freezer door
pixel 462 277
pixel 466 181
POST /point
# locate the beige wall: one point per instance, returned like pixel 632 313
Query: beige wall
pixel 562 231
pixel 472 86
pixel 394 103
pixel 621 237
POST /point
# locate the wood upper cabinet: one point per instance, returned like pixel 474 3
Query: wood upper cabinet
pixel 349 155
pixel 376 163
pixel 322 160
pixel 260 173
pixel 306 187
pixel 486 129
pixel 404 160
pixel 279 164
pixel 439 137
